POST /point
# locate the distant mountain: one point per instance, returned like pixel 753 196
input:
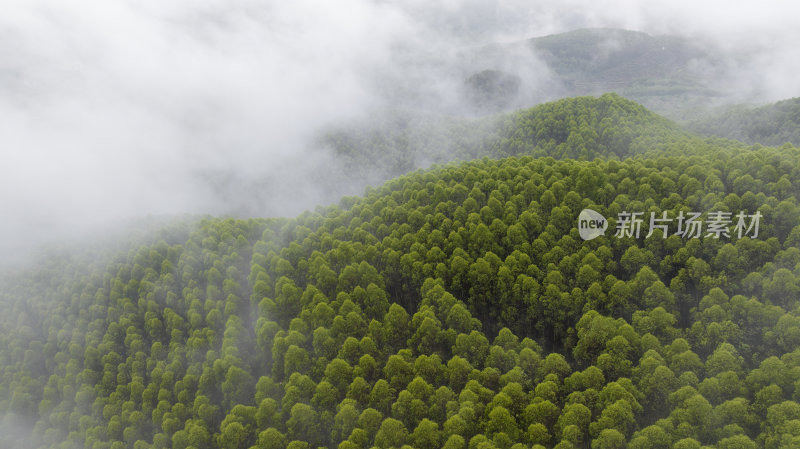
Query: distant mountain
pixel 773 124
pixel 664 73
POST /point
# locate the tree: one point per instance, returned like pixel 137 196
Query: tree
pixel 426 435
pixel 297 444
pixel 370 421
pixel 687 443
pixel 454 442
pixel 359 391
pixel 237 387
pixel 396 323
pixel 295 360
pixel 500 420
pixel 267 414
pixel 271 439
pixel 609 439
pixel 303 423
pixel 458 369
pixel 344 422
pixel 233 436
pixel 542 412
pixel 651 437
pixel 381 397
pixel 474 347
pixel 339 374
pixel 554 363
pixel 576 415
pixel 325 397
pixel 538 434
pixel 427 337
pixel 392 433
pixel 617 416
pixel 461 320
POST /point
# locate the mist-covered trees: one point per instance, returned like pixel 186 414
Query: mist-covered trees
pixel 456 307
pixel 773 124
pixel 582 128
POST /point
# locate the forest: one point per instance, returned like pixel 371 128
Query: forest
pixel 771 124
pixel 454 307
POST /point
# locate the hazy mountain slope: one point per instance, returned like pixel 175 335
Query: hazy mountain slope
pixel 455 307
pixel 773 124
pixel 602 59
pixel 583 128
pixel 665 73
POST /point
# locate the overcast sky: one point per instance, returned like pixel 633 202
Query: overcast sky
pixel 117 109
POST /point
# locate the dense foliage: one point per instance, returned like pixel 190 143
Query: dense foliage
pixel 450 308
pixel 773 124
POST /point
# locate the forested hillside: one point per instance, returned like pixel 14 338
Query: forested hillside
pixel 773 124
pixel 455 307
pixel 582 128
